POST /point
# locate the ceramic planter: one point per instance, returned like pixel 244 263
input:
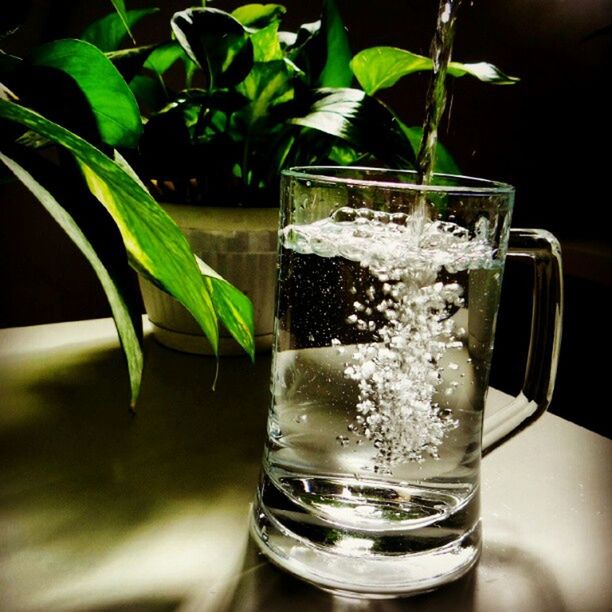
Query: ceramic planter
pixel 240 244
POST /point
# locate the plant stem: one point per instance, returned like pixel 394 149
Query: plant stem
pixel 245 160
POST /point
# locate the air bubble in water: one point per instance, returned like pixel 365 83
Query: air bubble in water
pixel 398 373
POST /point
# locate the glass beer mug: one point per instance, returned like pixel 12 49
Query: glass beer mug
pixel 387 299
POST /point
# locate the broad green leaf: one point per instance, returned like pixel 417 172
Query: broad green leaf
pixel 307 49
pixel 305 33
pixel 128 335
pixel 233 307
pixel 190 70
pixel 267 84
pixel 217 42
pixel 149 92
pixel 130 61
pixel 362 121
pixel 445 164
pixel 122 12
pixel 125 166
pixel 287 39
pixel 381 67
pixel 483 71
pixel 109 32
pixel 111 100
pixel 343 155
pixel 337 71
pixel 266 46
pixel 257 16
pixel 155 245
pixel 163 58
pixel 293 42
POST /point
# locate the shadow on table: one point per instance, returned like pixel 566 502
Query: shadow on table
pixel 103 512
pixel 506 579
pixel 100 510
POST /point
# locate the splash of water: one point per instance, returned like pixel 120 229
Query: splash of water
pixel 398 373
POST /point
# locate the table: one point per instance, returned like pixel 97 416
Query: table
pixel 100 510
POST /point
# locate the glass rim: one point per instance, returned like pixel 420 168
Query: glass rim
pixel 317 174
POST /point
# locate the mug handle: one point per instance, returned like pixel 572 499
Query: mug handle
pixel 543 250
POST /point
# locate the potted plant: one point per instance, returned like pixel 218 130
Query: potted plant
pixel 65 111
pixel 253 99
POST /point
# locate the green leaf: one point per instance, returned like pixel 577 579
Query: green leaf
pixel 343 155
pixel 130 61
pixel 266 45
pixel 381 67
pixel 483 71
pixel 268 84
pixel 155 245
pixel 149 92
pixel 122 12
pixel 233 307
pixel 128 335
pixel 445 164
pixel 217 42
pixel 125 166
pixel 362 121
pixel 306 49
pixel 337 70
pixel 258 16
pixel 163 58
pixel 294 42
pixel 109 32
pixel 111 100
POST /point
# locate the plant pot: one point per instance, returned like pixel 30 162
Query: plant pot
pixel 240 244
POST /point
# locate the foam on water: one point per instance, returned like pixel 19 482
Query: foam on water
pixel 398 374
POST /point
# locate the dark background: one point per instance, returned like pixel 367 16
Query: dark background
pixel 549 136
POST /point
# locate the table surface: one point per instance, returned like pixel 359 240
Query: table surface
pixel 100 510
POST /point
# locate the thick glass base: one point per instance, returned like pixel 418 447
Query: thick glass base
pixel 362 562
